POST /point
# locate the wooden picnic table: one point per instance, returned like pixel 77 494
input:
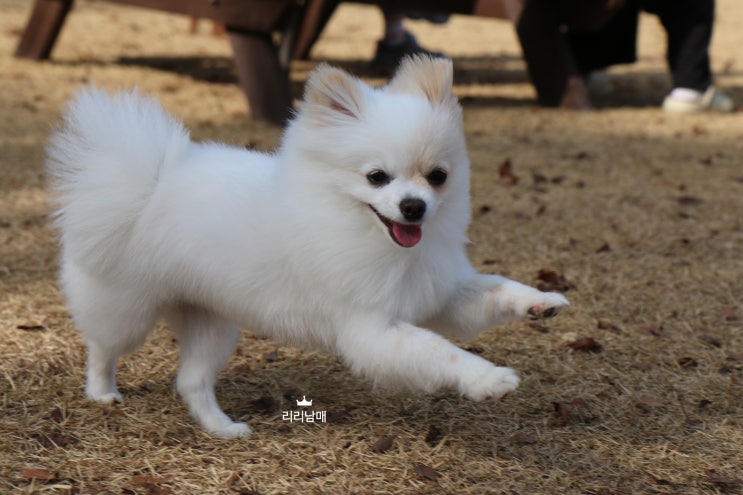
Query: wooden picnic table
pixel 252 26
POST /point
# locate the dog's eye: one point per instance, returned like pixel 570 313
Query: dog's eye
pixel 378 178
pixel 437 177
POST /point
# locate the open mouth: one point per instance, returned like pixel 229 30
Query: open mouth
pixel 405 234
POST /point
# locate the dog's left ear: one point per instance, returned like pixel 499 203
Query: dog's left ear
pixel 333 96
pixel 425 75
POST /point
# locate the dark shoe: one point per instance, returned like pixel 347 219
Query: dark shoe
pixel 389 55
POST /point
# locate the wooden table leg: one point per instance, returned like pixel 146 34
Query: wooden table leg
pixel 42 29
pixel 264 81
pixel 316 15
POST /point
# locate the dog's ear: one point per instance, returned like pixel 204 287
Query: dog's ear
pixel 425 75
pixel 333 96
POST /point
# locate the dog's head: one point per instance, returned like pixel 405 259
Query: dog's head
pixel 397 151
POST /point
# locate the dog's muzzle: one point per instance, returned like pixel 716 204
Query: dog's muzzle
pixel 404 234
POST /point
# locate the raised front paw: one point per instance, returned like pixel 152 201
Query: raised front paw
pixel 550 305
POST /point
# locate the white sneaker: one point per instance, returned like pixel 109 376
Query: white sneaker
pixel 682 100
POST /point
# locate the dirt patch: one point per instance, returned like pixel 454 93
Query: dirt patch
pixel 637 388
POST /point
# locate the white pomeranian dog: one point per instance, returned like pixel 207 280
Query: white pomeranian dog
pixel 350 237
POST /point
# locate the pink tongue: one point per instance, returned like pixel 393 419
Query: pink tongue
pixel 406 235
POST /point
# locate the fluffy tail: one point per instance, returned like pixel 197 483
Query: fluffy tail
pixel 104 163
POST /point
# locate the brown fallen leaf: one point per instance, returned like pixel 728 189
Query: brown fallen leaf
pixel 604 248
pixel 240 370
pixel 558 179
pixel 112 412
pixel 58 415
pixel 31 328
pixel 292 395
pixel 49 440
pixel 565 409
pixel 153 485
pixel 427 472
pixel 433 436
pixel 640 365
pixel 722 481
pixel 687 362
pixel 170 87
pixel 505 172
pixel 539 326
pixel 143 480
pixel 271 357
pixel 699 130
pixel 711 340
pixel 234 477
pixel 538 178
pixel 337 416
pixel 264 404
pixel 586 344
pixel 523 439
pixel 384 444
pixel 650 403
pixel 728 314
pixel 689 201
pixel 607 325
pixel 551 281
pixel 37 474
pixel 654 330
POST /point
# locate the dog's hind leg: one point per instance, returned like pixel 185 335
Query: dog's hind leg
pixel 207 341
pixel 113 323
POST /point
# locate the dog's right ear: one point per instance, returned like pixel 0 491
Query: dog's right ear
pixel 332 96
pixel 427 76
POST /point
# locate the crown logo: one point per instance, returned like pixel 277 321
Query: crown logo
pixel 304 402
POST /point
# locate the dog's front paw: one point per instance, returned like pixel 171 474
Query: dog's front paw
pixel 103 395
pixel 232 430
pixel 550 306
pixel 495 382
pixel 108 398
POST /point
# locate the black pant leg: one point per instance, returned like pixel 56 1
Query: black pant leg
pixel 688 24
pixel 548 57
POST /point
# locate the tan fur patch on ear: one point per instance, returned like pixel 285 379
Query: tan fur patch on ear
pixel 332 91
pixel 424 75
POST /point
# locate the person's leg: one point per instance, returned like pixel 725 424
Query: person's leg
pixel 549 58
pixel 397 42
pixel 688 24
pixel 394 27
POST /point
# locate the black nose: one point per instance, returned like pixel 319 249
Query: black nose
pixel 412 209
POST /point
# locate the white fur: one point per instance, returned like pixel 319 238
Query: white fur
pixel 284 244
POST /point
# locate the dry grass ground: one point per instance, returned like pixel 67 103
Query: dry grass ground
pixel 642 213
